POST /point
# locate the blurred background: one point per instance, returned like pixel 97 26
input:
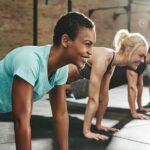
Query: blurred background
pixel 31 22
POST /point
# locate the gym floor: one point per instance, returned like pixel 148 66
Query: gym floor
pixel 133 133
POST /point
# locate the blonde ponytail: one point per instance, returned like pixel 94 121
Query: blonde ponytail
pixel 120 36
pixel 125 39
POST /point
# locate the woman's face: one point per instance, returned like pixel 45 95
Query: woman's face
pixel 137 56
pixel 80 49
pixel 148 58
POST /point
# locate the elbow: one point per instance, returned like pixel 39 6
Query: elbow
pixel 94 101
pixel 21 118
pixel 131 88
pixel 103 97
pixel 61 115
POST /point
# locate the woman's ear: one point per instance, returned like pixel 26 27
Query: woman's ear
pixel 64 40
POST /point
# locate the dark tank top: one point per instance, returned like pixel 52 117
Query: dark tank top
pixel 119 76
pixel 86 71
pixel 140 69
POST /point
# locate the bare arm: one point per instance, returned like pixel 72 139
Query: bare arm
pixel 73 74
pixel 91 109
pixel 132 78
pixel 103 101
pixel 22 109
pixel 60 116
pixel 140 90
pixel 132 90
pixel 98 68
pixel 139 96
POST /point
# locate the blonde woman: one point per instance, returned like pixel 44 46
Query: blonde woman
pixel 135 89
pixel 130 50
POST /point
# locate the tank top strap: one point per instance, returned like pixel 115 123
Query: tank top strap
pixel 110 64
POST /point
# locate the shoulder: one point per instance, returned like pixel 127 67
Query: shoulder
pixel 61 75
pixel 98 51
pixel 62 72
pixel 102 54
pixel 24 59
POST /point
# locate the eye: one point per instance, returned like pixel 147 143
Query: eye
pixel 88 44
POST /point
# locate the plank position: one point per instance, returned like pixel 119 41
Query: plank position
pixel 130 50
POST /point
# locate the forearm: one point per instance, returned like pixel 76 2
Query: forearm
pixel 131 99
pixel 103 98
pixel 139 96
pixel 101 110
pixel 60 116
pixel 90 112
pixel 22 134
pixel 61 129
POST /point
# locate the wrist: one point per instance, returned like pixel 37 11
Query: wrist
pixel 133 113
pixel 140 107
pixel 85 131
pixel 98 126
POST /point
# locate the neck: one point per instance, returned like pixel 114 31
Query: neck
pixel 119 60
pixel 56 59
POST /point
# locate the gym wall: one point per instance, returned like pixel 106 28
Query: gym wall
pixel 16 20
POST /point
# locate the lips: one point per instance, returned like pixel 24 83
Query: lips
pixel 85 58
pixel 137 63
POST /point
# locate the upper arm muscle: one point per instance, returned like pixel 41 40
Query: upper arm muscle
pixel 22 93
pixel 131 77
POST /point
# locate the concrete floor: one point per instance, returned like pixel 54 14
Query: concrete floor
pixel 134 134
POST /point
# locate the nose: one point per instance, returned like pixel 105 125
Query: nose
pixel 142 60
pixel 89 51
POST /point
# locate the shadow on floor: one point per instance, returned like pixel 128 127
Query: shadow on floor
pixel 42 127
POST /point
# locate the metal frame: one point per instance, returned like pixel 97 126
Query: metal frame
pixel 35 22
pixel 35 18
